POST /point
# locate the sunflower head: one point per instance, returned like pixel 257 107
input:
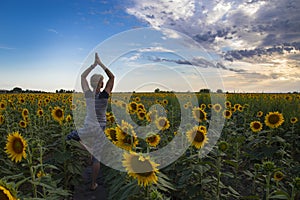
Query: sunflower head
pixel 40 112
pixel 259 114
pixel 268 166
pixel 16 147
pixel 274 119
pixel 1 119
pixel 111 133
pixel 199 114
pixel 153 139
pixel 197 136
pixel 141 168
pixel 223 146
pixel 278 176
pixel 23 124
pixel 227 114
pixel 296 183
pixel 256 126
pixel 7 191
pixel 58 114
pixel 162 123
pixel 293 120
pixel 217 107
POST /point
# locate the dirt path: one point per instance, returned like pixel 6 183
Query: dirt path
pixel 83 192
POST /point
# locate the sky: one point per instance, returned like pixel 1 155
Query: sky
pixel 179 45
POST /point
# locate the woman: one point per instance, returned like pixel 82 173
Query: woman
pixel 96 105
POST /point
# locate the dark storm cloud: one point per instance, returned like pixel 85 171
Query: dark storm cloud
pixel 198 62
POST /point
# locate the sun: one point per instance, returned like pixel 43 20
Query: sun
pixel 141 168
pixel 16 147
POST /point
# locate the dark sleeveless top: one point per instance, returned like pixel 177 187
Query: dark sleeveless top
pixel 96 105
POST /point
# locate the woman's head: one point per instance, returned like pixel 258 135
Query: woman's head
pixel 97 81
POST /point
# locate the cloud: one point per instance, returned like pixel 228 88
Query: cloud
pixel 6 48
pixel 231 24
pixel 52 30
pixel 196 61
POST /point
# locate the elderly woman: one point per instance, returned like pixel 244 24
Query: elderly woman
pixel 96 105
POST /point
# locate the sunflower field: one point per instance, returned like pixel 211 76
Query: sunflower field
pixel 256 154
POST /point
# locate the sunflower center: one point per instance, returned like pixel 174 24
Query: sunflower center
pixel 151 139
pixel 142 168
pixel 17 146
pixel 279 175
pixel 256 125
pixel 3 196
pixel 2 105
pixel 113 135
pixel 199 114
pixel 133 106
pixel 274 119
pixel 162 123
pixel 227 113
pixel 59 113
pixel 199 137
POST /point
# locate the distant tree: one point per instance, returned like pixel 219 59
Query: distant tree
pixel 204 91
pixel 157 90
pixel 17 90
pixel 219 91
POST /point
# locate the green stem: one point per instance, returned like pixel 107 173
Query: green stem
pixel 32 173
pixel 218 175
pixel 268 178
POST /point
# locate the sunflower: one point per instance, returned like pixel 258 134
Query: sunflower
pixel 256 126
pixel 23 124
pixel 227 104
pixel 217 107
pixel 223 146
pixel 278 176
pixel 58 114
pixel 293 120
pixel 141 114
pixel 111 133
pixel 240 108
pixel 41 174
pixel 1 119
pixel 137 99
pixel 165 101
pixel 162 123
pixel 25 112
pixel 6 193
pixel 197 136
pixel 202 106
pixel 153 139
pixel 40 112
pixel 199 114
pixel 141 168
pixel 132 106
pixel 15 147
pixel 126 141
pixel 2 105
pixel 274 119
pixel 68 118
pixel 259 114
pixel 227 114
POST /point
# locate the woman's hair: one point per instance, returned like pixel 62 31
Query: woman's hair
pixel 95 80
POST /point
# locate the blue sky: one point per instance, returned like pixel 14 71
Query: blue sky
pixel 252 45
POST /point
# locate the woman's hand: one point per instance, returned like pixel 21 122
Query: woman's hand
pixel 97 60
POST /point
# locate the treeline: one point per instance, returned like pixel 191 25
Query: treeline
pixel 20 90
